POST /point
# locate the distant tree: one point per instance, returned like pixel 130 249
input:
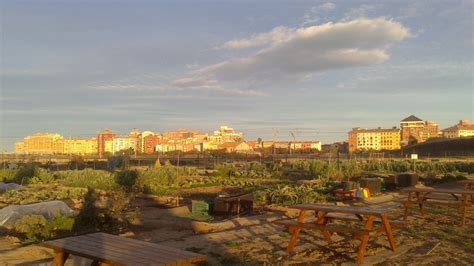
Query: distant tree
pixel 412 140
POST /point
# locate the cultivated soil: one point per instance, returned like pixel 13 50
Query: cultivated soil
pixel 435 239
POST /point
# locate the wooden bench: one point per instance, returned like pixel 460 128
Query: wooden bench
pixel 292 224
pixel 325 217
pixel 427 195
pixel 468 184
pixel 105 249
pixel 350 218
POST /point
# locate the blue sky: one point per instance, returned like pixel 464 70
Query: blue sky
pixel 317 68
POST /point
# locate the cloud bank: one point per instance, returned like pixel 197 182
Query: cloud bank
pixel 286 55
pixel 302 51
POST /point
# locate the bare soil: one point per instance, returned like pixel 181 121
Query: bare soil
pixel 435 239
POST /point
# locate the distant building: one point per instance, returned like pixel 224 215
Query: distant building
pixel 235 147
pixel 225 134
pixel 20 147
pixel 80 146
pixel 179 134
pixel 295 145
pixel 141 141
pixel 374 139
pixel 40 143
pixel 124 143
pixel 462 129
pixel 413 129
pixel 102 137
pixel 149 143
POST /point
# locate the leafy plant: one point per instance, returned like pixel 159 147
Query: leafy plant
pixel 36 227
pixel 290 195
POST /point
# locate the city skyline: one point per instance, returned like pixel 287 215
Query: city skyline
pixel 318 68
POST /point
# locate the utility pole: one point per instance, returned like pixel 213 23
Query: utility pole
pixel 274 133
pixel 177 181
pixel 294 140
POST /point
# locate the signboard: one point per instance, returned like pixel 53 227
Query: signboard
pixel 414 156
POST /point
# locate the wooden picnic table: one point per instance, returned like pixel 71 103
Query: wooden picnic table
pixel 106 249
pixel 468 184
pixel 326 215
pixel 421 196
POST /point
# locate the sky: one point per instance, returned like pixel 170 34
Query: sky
pixel 315 68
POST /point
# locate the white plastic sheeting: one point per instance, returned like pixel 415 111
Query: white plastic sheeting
pixel 50 209
pixel 9 186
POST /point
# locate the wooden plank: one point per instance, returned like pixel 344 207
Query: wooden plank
pixel 340 209
pixel 101 253
pixel 330 227
pixel 439 190
pixel 137 254
pixel 183 254
pixel 350 218
pixel 121 241
pixel 123 250
pixel 121 253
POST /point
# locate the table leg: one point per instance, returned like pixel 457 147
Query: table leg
pixel 388 231
pixel 407 206
pixel 296 232
pixel 364 240
pixel 464 209
pixel 420 203
pixel 323 220
pixel 60 258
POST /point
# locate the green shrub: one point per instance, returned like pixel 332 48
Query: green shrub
pixel 98 179
pixel 7 175
pixel 291 195
pixel 128 181
pixel 37 228
pixel 33 195
pixel 30 174
pixel 109 219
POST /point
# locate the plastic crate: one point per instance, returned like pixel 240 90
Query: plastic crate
pixel 199 206
pixel 407 180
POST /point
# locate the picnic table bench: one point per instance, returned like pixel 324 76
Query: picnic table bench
pixel 440 196
pixel 106 249
pixel 326 215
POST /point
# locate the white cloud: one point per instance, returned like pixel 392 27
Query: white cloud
pixel 316 12
pixel 276 35
pixel 360 12
pixel 285 55
pixel 164 84
pixel 293 53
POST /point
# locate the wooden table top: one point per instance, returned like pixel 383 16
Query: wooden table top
pixel 469 181
pixel 439 190
pixel 340 209
pixel 123 251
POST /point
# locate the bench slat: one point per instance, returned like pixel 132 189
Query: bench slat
pixel 329 227
pixel 355 219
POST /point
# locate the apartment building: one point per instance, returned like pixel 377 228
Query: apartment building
pixel 102 138
pixel 374 139
pixel 415 130
pixel 462 129
pixel 225 134
pixel 40 143
pixel 80 146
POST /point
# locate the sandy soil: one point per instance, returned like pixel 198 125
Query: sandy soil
pixel 435 239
